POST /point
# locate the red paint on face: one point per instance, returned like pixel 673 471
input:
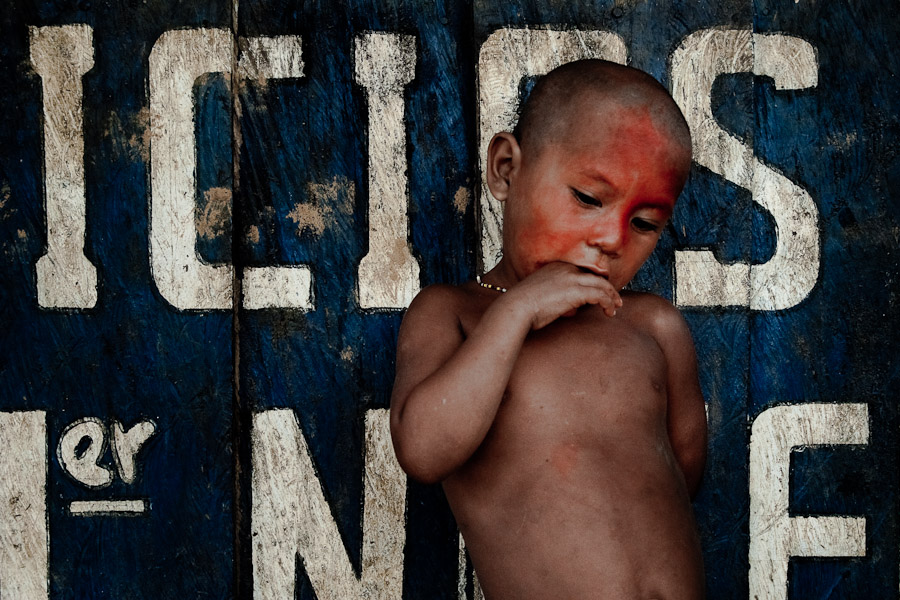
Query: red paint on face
pixel 597 199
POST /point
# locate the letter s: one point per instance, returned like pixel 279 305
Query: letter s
pixel 790 274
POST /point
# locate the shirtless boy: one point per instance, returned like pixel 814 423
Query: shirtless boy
pixel 563 415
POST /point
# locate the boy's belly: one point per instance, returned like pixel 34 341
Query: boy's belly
pixel 587 527
pixel 575 492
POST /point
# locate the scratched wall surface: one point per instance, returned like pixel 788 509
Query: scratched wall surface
pixel 213 214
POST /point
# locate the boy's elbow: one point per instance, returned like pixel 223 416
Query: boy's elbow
pixel 416 465
pixel 413 458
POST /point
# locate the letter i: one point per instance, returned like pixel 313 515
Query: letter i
pixel 61 56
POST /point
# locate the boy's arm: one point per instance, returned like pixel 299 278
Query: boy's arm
pixel 686 416
pixel 449 386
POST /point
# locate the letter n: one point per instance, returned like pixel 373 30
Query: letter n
pixel 290 516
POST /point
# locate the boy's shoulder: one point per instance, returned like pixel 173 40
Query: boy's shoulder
pixel 448 298
pixel 441 307
pixel 658 317
pixel 651 304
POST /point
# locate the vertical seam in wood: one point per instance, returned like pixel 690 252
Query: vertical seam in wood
pixel 237 406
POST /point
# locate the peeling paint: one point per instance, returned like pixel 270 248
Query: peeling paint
pixel 130 137
pixel 309 217
pixel 339 193
pixel 314 215
pixel 140 139
pixel 461 199
pixel 214 217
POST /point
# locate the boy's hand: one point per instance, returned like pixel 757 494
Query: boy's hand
pixel 558 289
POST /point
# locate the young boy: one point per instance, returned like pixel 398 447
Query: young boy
pixel 562 415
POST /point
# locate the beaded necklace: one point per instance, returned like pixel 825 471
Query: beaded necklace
pixel 496 288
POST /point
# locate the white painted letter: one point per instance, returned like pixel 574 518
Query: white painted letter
pixel 388 273
pixel 84 467
pixel 790 274
pixel 61 56
pixel 774 535
pixel 126 444
pixel 178 58
pixel 290 515
pixel 286 286
pixel 24 542
pixel 506 58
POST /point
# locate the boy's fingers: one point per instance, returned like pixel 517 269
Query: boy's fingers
pixel 609 301
pixel 600 282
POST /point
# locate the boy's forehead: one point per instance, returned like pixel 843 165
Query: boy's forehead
pixel 594 116
pixel 597 122
pixel 589 99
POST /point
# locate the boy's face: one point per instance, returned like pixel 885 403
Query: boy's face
pixel 597 197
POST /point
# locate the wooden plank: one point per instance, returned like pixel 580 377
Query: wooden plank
pixel 360 169
pixel 830 140
pixel 116 405
pixel 242 451
pixel 711 213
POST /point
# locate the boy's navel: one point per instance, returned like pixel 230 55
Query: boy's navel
pixel 564 457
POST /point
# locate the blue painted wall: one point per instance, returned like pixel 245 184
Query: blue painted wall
pixel 201 375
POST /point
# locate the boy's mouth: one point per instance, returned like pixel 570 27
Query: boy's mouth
pixel 594 271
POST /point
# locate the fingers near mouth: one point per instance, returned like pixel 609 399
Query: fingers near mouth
pixel 590 271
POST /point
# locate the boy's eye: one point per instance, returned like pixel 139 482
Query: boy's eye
pixel 642 225
pixel 585 199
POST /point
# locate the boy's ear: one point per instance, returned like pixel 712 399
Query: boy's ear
pixel 503 159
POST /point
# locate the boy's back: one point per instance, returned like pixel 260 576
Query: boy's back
pixel 564 420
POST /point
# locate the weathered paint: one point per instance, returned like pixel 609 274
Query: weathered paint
pixel 107 507
pixel 24 542
pixel 291 516
pixel 177 60
pixel 788 277
pixel 61 56
pixel 388 273
pixel 287 286
pixel 281 127
pixel 129 357
pixel 81 460
pixel 126 443
pixel 775 536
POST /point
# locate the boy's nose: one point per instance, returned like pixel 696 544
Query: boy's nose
pixel 608 237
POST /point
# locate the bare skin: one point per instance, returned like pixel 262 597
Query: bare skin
pixel 564 417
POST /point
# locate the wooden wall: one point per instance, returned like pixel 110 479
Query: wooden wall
pixel 212 215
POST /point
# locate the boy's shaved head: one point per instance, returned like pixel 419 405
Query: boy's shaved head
pixel 549 111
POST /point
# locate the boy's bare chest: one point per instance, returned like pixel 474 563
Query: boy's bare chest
pixel 584 378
